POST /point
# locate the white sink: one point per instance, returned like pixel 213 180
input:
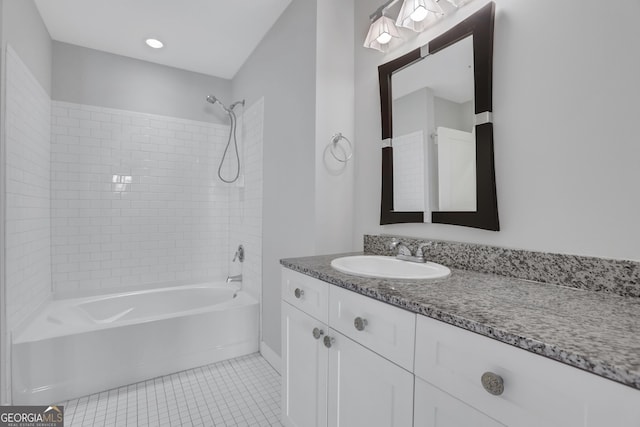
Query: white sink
pixel 389 267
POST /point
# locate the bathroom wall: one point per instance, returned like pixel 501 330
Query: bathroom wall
pixel 304 70
pixel 92 77
pixel 23 29
pixel 135 199
pixel 334 180
pixel 28 226
pixel 282 70
pixel 131 118
pixel 565 99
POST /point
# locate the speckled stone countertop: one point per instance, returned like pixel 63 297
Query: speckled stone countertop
pixel 595 331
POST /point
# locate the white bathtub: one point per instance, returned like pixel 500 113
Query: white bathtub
pixel 79 346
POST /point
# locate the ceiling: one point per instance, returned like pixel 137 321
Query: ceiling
pixel 213 37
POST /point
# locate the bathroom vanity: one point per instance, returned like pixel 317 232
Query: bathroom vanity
pixel 474 349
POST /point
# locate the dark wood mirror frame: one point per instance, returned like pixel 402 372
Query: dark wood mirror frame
pixel 480 25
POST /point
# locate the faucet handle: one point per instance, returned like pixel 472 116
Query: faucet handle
pixel 393 243
pixel 239 255
pixel 420 252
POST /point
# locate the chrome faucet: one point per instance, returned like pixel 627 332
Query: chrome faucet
pixel 402 247
pixel 404 252
pixel 236 278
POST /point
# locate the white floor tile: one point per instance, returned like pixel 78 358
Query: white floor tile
pixel 239 392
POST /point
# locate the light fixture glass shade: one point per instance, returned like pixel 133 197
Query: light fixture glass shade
pixel 381 31
pixel 417 15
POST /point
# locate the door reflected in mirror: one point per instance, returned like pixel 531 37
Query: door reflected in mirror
pixel 434 147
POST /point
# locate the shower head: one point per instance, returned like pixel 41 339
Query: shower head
pixel 213 100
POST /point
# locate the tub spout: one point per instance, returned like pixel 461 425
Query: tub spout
pixel 236 278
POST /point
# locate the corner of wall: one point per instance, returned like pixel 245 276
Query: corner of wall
pixel 5 386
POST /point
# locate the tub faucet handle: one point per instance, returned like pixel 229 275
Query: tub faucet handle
pixel 239 255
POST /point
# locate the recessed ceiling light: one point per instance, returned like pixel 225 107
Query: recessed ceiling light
pixel 154 43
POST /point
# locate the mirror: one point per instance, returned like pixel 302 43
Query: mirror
pixel 437 132
pixel 433 132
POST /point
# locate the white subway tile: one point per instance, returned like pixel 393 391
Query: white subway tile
pixel 28 168
pixel 170 217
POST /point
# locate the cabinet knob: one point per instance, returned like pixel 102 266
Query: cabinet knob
pixel 298 293
pixel 328 341
pixel 317 333
pixel 493 383
pixel 360 323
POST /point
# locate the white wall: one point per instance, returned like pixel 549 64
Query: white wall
pixel 334 180
pixel 92 77
pixel 27 169
pixel 282 70
pixel 565 103
pixel 304 69
pixel 22 27
pixel 135 199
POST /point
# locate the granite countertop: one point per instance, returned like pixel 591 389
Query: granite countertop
pixel 594 331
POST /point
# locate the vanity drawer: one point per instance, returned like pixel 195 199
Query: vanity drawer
pixel 306 293
pixel 387 330
pixel 537 391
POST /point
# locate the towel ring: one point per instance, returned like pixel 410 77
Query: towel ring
pixel 335 139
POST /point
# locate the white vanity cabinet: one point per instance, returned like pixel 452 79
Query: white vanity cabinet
pixel 352 361
pixel 330 378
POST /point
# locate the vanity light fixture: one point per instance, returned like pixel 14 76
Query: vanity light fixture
pixel 382 29
pixel 154 43
pixel 417 15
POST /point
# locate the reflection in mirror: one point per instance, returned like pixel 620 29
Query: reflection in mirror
pixel 433 132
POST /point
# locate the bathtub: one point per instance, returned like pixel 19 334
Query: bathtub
pixel 79 346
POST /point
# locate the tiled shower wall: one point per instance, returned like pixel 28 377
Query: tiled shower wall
pixel 246 201
pixel 408 172
pixel 135 199
pixel 28 230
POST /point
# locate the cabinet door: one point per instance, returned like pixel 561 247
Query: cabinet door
pixel 304 376
pixel 435 408
pixel 366 389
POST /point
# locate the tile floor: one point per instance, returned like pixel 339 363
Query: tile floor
pixel 239 392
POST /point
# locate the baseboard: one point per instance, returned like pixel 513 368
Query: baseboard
pixel 271 356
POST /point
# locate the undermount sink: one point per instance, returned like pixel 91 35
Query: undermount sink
pixel 387 267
